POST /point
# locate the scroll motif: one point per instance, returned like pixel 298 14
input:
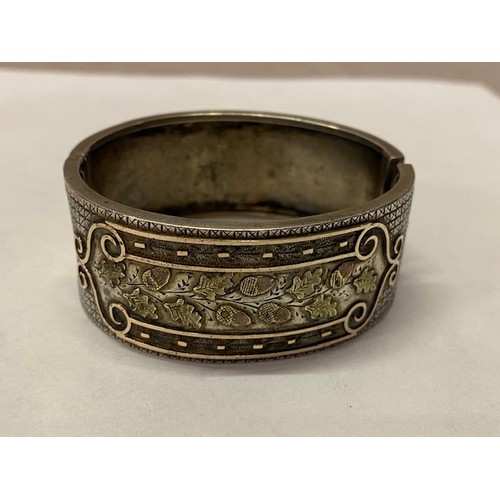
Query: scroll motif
pixel 262 301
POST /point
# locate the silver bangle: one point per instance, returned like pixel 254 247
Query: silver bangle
pixel 237 236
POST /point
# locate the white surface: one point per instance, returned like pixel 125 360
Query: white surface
pixel 430 368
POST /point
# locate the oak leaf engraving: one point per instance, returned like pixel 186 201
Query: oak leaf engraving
pixel 110 272
pixel 366 281
pixel 304 286
pixel 212 286
pixel 184 313
pixel 323 307
pixel 141 304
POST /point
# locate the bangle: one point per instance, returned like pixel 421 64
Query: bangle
pixel 228 236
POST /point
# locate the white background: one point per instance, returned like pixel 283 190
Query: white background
pixel 431 367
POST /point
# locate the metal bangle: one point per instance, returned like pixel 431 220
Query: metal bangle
pixel 228 236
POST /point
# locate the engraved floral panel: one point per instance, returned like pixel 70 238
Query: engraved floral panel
pixel 225 301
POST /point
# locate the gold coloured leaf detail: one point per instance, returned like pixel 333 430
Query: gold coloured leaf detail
pixel 274 313
pixel 212 286
pixel 304 286
pixel 111 273
pixel 252 286
pixel 184 313
pixel 156 278
pixel 141 304
pixel 230 316
pixel 366 281
pixel 323 307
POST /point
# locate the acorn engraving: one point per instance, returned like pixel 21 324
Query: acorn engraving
pixel 342 274
pixel 251 286
pixel 230 316
pixel 274 313
pixel 156 278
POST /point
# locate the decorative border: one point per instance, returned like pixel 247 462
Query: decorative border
pixel 120 322
pixel 84 213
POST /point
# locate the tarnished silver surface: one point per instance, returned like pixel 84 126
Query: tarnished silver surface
pixel 227 236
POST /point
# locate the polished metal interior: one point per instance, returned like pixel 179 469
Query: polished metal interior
pixel 204 169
